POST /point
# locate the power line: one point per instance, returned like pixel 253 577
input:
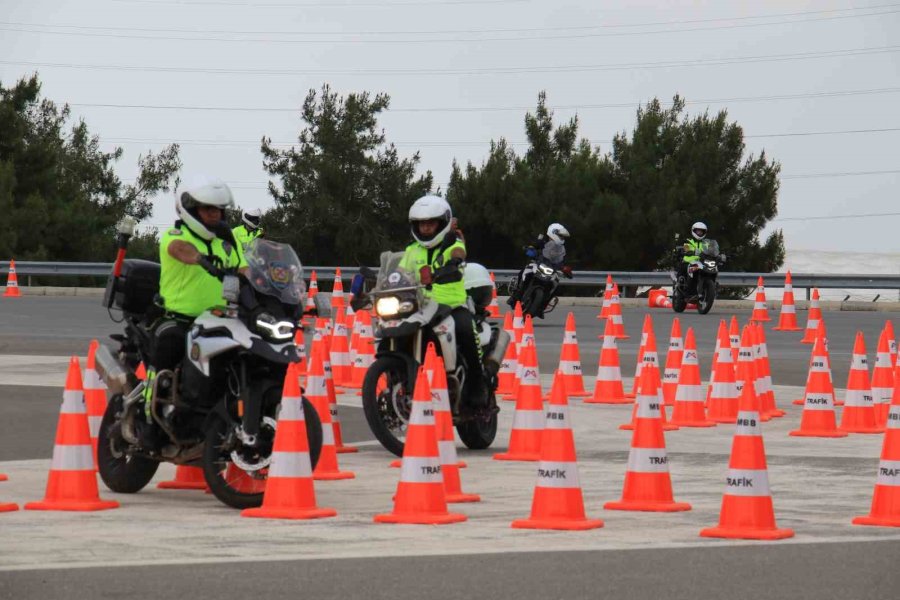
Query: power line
pixel 834 94
pixel 425 144
pixel 448 31
pixel 327 4
pixel 826 217
pixel 847 174
pixel 434 40
pixel 484 71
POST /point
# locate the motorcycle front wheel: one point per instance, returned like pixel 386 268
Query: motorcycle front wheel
pixel 679 303
pixel 228 481
pixel 121 472
pixel 479 432
pixel 707 293
pixel 534 303
pixel 387 402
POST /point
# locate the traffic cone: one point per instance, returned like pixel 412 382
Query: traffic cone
pixel 365 351
pixel 420 496
pixel 813 319
pixel 317 393
pixel 186 478
pixel 332 401
pixel 94 396
pixel 734 337
pixel 820 332
pixel 72 484
pixel 715 358
pixel 443 422
pixel 311 292
pixel 506 377
pixel 615 314
pixel 608 385
pixel 493 308
pixel 689 410
pixel 723 392
pixel 340 352
pixel 818 418
pixel 607 296
pixel 518 325
pixel 300 343
pixel 673 363
pixel 760 310
pixel 746 353
pixel 747 511
pixel 787 320
pixel 885 509
pixel 648 486
pixel 650 364
pixel 882 380
pixel 892 341
pixel 528 331
pixel 12 282
pixel 337 293
pixel 528 420
pixel 764 370
pixel 7 506
pixel 570 361
pixel 289 491
pixel 646 331
pixel 558 502
pixel 859 408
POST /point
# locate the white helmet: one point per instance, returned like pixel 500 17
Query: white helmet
pixel 427 208
pixel 557 233
pixel 698 230
pixel 476 276
pixel 201 191
pixel 251 218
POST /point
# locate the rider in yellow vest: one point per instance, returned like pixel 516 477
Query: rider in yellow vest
pixel 249 229
pixel 437 259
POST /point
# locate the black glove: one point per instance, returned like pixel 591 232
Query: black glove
pixel 449 273
pixel 210 268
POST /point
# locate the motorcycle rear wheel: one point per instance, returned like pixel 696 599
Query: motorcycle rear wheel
pixel 122 474
pixel 232 485
pixel 387 402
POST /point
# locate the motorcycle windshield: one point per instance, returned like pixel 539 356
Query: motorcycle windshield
pixel 275 271
pixel 391 275
pixel 711 248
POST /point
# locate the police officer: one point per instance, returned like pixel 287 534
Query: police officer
pixel 438 247
pixel 691 250
pixel 249 229
pixel 193 255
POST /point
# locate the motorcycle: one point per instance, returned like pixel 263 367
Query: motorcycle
pixel 218 408
pixel 705 272
pixel 538 297
pixel 406 323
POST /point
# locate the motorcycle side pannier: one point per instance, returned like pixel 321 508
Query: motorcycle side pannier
pixel 135 288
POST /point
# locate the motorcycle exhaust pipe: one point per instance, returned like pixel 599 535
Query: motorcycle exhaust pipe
pixel 113 372
pixel 493 360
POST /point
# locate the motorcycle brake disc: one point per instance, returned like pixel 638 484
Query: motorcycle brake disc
pixel 263 462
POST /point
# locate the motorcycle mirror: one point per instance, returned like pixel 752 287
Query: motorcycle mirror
pixel 323 305
pixel 231 288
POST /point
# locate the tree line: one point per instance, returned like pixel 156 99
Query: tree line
pixel 343 190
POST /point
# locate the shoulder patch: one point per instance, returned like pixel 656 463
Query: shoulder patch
pixel 174 231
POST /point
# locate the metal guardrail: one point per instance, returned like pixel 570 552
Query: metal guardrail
pixel 582 278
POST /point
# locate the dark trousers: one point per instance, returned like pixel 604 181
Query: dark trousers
pixel 169 343
pixel 466 343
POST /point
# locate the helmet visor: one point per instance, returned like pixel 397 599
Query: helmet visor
pixel 252 219
pixel 699 232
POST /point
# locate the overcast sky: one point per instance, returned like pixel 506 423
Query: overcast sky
pixel 461 73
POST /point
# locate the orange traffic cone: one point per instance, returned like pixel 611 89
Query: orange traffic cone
pixel 615 314
pixel 608 385
pixel 289 491
pixel 787 320
pixel 558 502
pixel 340 352
pixel 765 391
pixel 528 420
pixel 723 392
pixel 72 484
pixel 7 506
pixel 734 337
pixel 12 282
pixel 420 494
pixel 813 319
pixel 818 418
pixel 365 351
pixel 886 499
pixel 506 377
pixel 859 407
pixel 882 380
pixel 715 358
pixel 311 293
pixel 760 310
pixel 443 422
pixel 747 511
pixel 892 341
pixel 94 396
pixel 493 308
pixel 648 486
pixel 646 331
pixel 300 342
pixel 820 332
pixel 673 363
pixel 570 361
pixel 186 478
pixel 332 400
pixel 317 393
pixel 607 297
pixel 689 410
pixel 518 325
pixel 650 364
pixel 528 331
pixel 337 293
pixel 747 354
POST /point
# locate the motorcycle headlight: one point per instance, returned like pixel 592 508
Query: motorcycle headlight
pixel 710 263
pixel 546 270
pixel 274 330
pixel 392 306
